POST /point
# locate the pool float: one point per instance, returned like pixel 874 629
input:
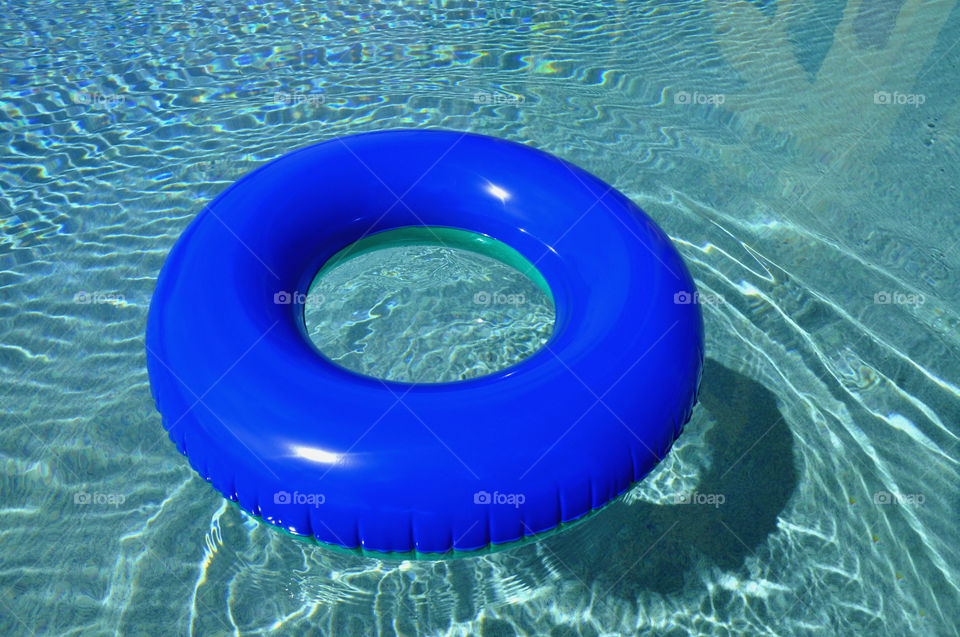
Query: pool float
pixel 427 470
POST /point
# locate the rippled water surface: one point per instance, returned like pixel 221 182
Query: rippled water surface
pixel 423 313
pixel 803 157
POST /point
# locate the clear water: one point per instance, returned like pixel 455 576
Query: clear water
pixel 783 146
pixel 421 313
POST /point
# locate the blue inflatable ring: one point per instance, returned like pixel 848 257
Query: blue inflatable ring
pixel 382 466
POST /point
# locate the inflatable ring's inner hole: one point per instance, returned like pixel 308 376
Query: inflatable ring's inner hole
pixel 428 305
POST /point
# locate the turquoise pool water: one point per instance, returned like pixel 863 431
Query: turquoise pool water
pixel 427 306
pixel 803 157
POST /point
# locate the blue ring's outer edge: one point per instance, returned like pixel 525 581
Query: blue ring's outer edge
pixel 164 383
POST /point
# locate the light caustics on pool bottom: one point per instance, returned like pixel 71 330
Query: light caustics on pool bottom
pixel 428 305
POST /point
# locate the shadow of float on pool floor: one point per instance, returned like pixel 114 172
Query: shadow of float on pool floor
pixel 642 546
